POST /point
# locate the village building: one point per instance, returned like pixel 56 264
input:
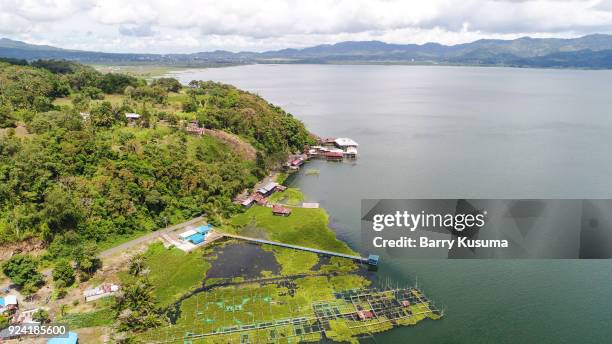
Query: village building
pixel 25 317
pixel 345 142
pixel 296 163
pixel 196 235
pixel 72 338
pixel 327 142
pixel 260 199
pixel 279 210
pixel 333 156
pixel 365 315
pixel 132 117
pixel 248 202
pixel 8 304
pixel 267 189
pixel 194 128
pixel 103 290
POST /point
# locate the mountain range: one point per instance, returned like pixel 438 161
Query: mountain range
pixel 592 52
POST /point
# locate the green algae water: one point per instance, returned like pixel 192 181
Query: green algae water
pixel 461 132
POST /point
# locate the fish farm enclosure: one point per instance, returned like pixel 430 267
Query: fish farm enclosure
pixel 253 314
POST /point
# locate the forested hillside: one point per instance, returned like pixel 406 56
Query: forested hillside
pixel 72 169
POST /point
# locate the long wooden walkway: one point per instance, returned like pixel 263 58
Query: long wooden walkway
pixel 296 247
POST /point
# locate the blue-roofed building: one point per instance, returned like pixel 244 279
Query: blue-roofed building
pixel 197 238
pixel 204 229
pixel 72 338
pixel 8 303
pixel 373 259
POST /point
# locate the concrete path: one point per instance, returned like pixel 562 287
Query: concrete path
pixel 296 247
pixel 147 237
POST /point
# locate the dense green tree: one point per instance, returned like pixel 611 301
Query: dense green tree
pixel 103 115
pixel 63 273
pixel 116 83
pixel 75 181
pixel 168 84
pixel 42 316
pixel 57 66
pixel 61 212
pixel 17 62
pixel 87 260
pixel 137 265
pixel 4 321
pixel 155 94
pixel 85 77
pixel 92 93
pixel 7 119
pixel 22 269
pixel 135 306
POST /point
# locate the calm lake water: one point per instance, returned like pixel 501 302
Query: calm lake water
pixel 461 132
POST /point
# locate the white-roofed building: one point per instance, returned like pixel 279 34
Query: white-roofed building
pixel 101 291
pixel 267 189
pixel 8 303
pixel 132 115
pixel 345 142
pixel 187 234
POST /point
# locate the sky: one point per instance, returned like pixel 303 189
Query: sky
pixel 184 26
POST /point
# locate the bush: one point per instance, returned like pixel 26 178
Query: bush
pixel 22 270
pixel 92 93
pixel 42 316
pixel 63 273
pixel 168 84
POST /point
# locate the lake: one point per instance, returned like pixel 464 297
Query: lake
pixel 461 132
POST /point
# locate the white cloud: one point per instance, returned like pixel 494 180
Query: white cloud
pixel 195 25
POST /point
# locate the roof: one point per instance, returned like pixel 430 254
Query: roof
pixel 104 288
pixel 268 187
pixel 188 233
pixel 71 339
pixel 333 154
pixel 197 238
pixel 132 115
pixel 203 228
pixel 10 300
pixel 280 209
pixel 345 141
pixel 365 314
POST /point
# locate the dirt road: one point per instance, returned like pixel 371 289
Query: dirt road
pixel 147 237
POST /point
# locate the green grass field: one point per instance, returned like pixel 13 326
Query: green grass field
pixel 101 317
pixel 143 71
pixel 291 196
pixel 173 272
pixel 304 227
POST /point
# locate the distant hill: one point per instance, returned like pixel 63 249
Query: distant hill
pixel 592 51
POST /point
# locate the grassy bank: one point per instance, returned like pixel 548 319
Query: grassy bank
pixel 173 272
pixel 304 227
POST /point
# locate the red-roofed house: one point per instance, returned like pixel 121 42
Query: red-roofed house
pixel 365 315
pixel 279 210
